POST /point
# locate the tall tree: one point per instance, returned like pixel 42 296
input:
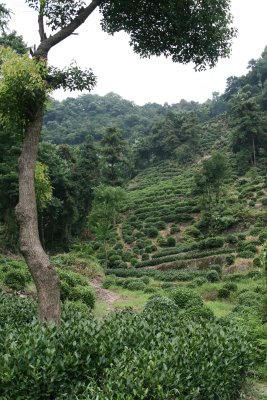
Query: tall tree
pixel 114 160
pixel 184 30
pixel 102 220
pixel 249 128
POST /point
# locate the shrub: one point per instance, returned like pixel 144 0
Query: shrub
pixel 231 286
pixel 230 259
pixel 160 225
pixel 110 280
pixel 247 246
pixel 248 298
pixel 145 256
pixel 182 297
pixel 218 268
pixel 264 202
pixel 145 279
pixel 76 307
pixel 160 303
pixel 213 276
pixel 113 260
pixel 67 361
pixel 152 232
pixel 232 239
pixel 199 312
pixel 200 281
pixel 136 285
pixel 193 232
pixel 140 243
pixel 174 229
pixel 254 274
pixel 223 293
pixel 134 261
pixel 213 242
pixel 15 280
pixel 257 262
pixel 263 236
pixel 245 254
pixel 16 311
pixel 122 264
pixel 84 294
pixel 65 291
pixel 171 242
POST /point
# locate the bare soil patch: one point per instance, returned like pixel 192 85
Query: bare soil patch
pixel 104 294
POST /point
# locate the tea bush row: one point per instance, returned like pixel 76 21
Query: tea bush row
pixel 148 356
pixel 209 243
pixel 165 276
pixel 189 256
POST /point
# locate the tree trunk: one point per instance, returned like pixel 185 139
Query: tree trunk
pixel 254 151
pixel 43 273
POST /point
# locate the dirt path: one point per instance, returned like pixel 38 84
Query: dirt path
pixel 104 294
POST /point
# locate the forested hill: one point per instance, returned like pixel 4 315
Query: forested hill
pixel 72 120
pixel 234 121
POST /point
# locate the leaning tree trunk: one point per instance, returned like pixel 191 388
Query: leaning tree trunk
pixel 43 273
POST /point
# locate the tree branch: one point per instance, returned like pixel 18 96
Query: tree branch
pixel 58 37
pixel 41 28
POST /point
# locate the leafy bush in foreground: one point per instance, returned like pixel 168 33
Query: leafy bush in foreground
pixel 15 280
pixel 16 311
pixel 184 297
pixel 147 356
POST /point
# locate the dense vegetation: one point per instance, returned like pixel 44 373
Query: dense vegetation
pixel 164 206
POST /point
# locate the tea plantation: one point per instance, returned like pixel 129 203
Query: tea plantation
pixel 155 219
pixel 191 320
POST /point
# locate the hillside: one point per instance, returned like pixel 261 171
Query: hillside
pixel 155 220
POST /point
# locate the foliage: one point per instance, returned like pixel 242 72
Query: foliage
pixel 160 304
pixel 76 358
pixel 213 276
pixel 16 311
pixel 15 280
pixel 184 298
pixel 114 158
pixel 22 88
pixel 205 47
pixel 43 187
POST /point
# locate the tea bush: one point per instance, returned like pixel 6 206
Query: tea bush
pixel 149 356
pixel 151 232
pixel 245 254
pixel 16 311
pixel 84 294
pixel 160 304
pixel 199 312
pixel 213 276
pixel 15 280
pixel 183 297
pixel 171 242
pixel 231 286
pixel 136 285
pixel 110 280
pixel 223 293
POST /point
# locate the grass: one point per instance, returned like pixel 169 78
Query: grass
pixel 220 308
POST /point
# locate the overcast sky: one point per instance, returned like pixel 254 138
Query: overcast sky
pixel 158 80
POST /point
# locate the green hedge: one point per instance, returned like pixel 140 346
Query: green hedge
pixel 189 256
pixel 209 243
pixel 147 356
pixel 165 276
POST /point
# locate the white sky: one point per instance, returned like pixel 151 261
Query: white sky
pixel 158 80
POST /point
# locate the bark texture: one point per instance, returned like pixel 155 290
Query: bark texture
pixel 43 273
